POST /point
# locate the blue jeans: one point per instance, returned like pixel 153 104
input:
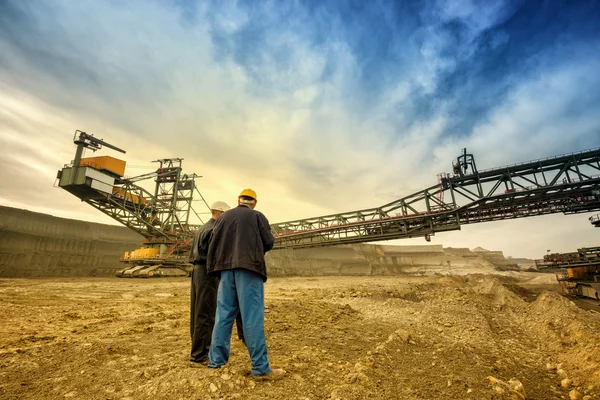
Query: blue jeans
pixel 240 289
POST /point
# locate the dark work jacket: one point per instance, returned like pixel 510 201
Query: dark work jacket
pixel 200 244
pixel 240 239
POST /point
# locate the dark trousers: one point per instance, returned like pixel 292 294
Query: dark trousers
pixel 203 306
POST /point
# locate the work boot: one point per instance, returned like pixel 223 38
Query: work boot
pixel 272 375
pixel 203 361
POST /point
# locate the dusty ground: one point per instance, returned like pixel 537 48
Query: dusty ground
pixel 436 337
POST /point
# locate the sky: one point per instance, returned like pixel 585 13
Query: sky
pixel 319 106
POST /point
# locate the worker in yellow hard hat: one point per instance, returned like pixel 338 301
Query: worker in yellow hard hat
pixel 248 193
pixel 203 296
pixel 237 250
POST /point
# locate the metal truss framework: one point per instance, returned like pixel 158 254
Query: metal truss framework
pixel 158 217
pixel 587 256
pixel 566 184
pixel 161 217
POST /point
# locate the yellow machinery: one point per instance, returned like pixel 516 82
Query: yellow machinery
pixel 580 275
pixel 106 164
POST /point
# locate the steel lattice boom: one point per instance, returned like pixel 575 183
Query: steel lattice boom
pixel 563 184
pixel 161 217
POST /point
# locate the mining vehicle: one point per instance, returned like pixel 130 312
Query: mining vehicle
pixel 160 214
pixel 580 271
pixel 567 184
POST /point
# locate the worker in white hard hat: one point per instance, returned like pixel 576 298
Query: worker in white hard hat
pixel 203 299
pixel 236 253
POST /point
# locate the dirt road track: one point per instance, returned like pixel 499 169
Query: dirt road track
pixel 430 337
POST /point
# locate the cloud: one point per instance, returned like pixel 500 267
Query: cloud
pixel 321 107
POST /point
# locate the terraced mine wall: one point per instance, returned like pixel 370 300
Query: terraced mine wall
pixel 40 245
pixel 372 259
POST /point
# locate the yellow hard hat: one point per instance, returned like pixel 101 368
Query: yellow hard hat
pixel 248 193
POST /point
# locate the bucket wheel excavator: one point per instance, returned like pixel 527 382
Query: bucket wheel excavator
pixel 567 184
pixel 161 214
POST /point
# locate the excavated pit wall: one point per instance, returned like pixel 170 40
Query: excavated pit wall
pixel 40 245
pixel 497 258
pixel 371 259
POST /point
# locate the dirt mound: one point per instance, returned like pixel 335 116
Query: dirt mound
pixel 571 333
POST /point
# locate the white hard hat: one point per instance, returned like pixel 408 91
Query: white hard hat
pixel 219 206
